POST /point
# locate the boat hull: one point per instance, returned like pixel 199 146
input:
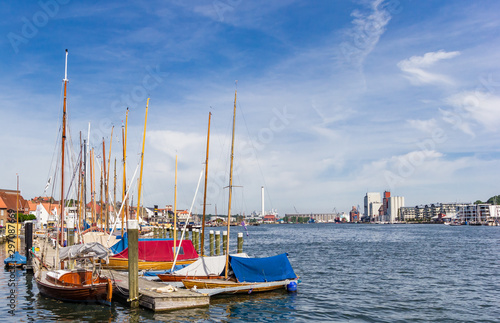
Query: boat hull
pixel 92 293
pixel 179 278
pixel 221 284
pixel 122 264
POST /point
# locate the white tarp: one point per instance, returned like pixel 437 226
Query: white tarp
pixel 206 266
pixel 100 237
pixel 85 250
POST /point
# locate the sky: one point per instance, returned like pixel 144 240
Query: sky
pixel 334 99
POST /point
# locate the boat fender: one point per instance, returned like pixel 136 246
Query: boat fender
pixel 291 287
pixel 109 294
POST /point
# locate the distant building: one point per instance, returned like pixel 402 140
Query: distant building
pixel 372 205
pixel 354 215
pixel 395 203
pixel 431 212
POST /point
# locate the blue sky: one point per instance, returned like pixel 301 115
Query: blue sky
pixel 335 98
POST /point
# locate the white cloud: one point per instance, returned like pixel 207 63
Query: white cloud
pixel 472 108
pixel 415 67
pixel 365 34
pixel 426 126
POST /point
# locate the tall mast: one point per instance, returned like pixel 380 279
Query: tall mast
pixel 205 191
pixel 103 185
pixel 17 214
pixel 80 189
pixel 142 161
pixel 63 142
pixel 92 184
pixel 124 191
pixel 106 183
pixel 175 207
pixel 230 187
pixel 114 191
pixel 84 184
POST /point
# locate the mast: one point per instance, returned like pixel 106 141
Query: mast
pixel 230 187
pixel 175 207
pixel 63 142
pixel 114 191
pixel 124 136
pixel 103 183
pixel 80 189
pixel 205 191
pixel 142 161
pixel 106 183
pixel 84 184
pixel 92 185
pixel 17 214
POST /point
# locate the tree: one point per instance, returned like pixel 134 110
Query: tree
pixel 494 200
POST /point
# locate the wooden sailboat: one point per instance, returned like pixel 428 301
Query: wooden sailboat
pixel 83 284
pixel 155 254
pixel 261 274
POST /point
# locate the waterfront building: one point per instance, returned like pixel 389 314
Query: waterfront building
pixel 317 217
pixel 45 212
pixel 9 202
pixel 395 203
pixel 354 215
pixel 430 212
pixel 372 205
pixel 485 214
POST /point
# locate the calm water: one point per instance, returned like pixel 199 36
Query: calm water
pixel 349 272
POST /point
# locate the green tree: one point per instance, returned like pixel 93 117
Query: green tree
pixel 494 200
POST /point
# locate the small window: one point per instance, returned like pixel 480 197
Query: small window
pixel 181 250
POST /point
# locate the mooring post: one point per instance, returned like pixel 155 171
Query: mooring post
pixel 224 242
pixel 28 238
pixel 133 262
pixel 240 242
pixel 195 240
pixel 70 224
pixel 217 243
pixel 211 242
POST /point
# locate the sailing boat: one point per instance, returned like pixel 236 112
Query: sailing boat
pixel 250 274
pixel 83 284
pixel 153 254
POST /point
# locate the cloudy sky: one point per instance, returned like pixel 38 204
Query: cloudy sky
pixel 334 98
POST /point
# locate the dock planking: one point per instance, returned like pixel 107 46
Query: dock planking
pixel 150 299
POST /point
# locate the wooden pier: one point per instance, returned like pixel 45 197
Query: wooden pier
pixel 158 301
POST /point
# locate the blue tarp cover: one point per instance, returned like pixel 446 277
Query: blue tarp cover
pixel 154 273
pixel 257 270
pixel 16 258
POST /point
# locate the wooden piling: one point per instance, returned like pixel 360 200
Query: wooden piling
pixel 211 242
pixel 224 242
pixel 28 239
pixel 217 243
pixel 133 262
pixel 240 242
pixel 195 238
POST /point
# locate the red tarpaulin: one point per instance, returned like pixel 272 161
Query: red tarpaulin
pixel 162 250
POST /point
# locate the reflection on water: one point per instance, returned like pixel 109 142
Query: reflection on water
pixel 358 273
pixel 274 305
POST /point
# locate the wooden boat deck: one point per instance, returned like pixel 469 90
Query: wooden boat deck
pixel 149 298
pixel 220 286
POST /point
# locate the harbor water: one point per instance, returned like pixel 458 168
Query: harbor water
pixel 348 272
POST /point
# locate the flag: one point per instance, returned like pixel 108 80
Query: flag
pixel 243 224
